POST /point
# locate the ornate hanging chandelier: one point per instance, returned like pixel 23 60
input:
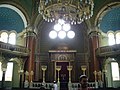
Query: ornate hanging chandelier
pixel 71 11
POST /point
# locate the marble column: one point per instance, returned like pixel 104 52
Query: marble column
pixel 30 37
pixel 84 67
pixel 69 68
pixel 44 68
pixel 4 62
pixel 94 44
pixel 58 68
pixel 21 78
pixel 4 68
pixel 20 62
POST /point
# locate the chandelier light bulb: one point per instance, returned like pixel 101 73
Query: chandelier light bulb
pixel 66 27
pixel 70 34
pixel 65 9
pixel 61 34
pixel 61 21
pixel 57 27
pixel 61 31
pixel 53 34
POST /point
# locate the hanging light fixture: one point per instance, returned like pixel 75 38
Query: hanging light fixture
pixel 72 11
pixel 62 31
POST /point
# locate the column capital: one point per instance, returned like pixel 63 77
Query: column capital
pixel 20 63
pixel 4 62
pixel 29 31
pixel 94 33
pixel 4 66
pixel 69 68
pixel 44 67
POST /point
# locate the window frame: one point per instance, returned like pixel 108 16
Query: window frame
pixel 8 38
pixel 114 72
pixel 113 39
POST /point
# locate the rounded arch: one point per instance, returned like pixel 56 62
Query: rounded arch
pixel 4 31
pixel 16 10
pixel 62 57
pixel 39 20
pixel 103 11
pixel 118 31
pixel 13 31
pixel 110 32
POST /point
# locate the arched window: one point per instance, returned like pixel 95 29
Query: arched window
pixel 9 72
pixel 111 38
pixel 1 73
pixel 12 38
pixel 118 38
pixel 115 71
pixel 4 37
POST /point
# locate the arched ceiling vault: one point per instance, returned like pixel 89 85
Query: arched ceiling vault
pixel 11 18
pixel 109 18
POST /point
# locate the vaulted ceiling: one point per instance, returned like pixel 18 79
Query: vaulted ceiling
pixel 111 20
pixel 10 20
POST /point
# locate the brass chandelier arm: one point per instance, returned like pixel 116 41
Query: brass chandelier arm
pixel 69 10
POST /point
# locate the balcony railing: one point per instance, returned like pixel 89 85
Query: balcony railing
pixel 13 49
pixel 108 50
pixel 73 86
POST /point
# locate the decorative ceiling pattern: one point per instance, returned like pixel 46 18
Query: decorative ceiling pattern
pixel 10 20
pixel 111 20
